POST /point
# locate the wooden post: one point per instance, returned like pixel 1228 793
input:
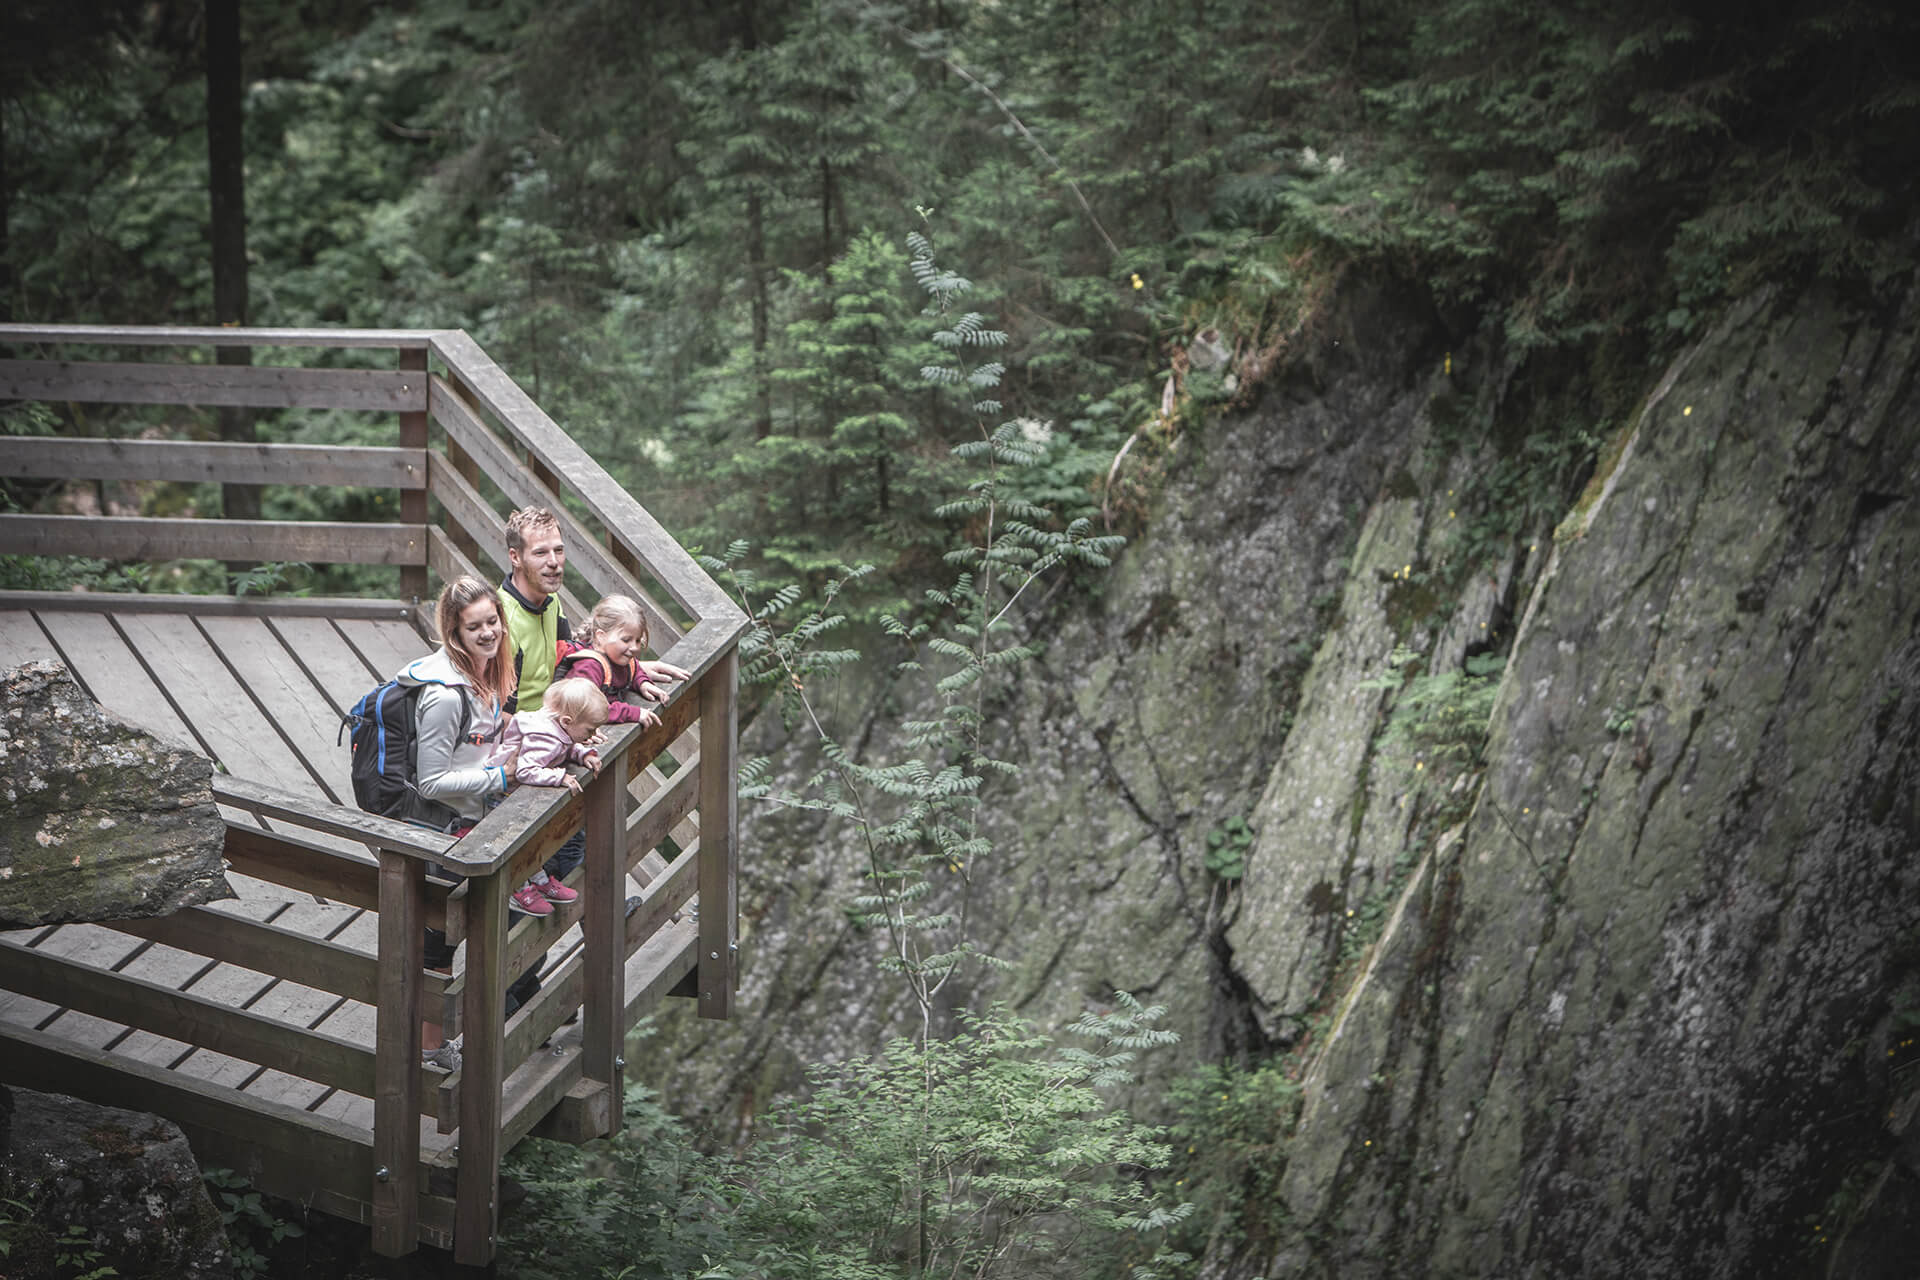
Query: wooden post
pixel 483 1024
pixel 604 933
pixel 413 500
pixel 719 972
pixel 469 470
pixel 396 1057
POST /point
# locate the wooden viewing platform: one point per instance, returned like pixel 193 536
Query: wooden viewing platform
pixel 281 1029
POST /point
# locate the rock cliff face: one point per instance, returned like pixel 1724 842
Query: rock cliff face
pixel 1642 1016
pixel 1626 988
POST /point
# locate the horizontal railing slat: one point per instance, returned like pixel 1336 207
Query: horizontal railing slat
pixel 298 1155
pixel 206 606
pixel 318 815
pixel 191 1019
pixel 72 458
pixel 149 538
pixel 303 865
pixel 268 948
pixel 215 336
pixel 254 386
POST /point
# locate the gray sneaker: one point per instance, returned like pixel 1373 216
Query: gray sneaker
pixel 446 1057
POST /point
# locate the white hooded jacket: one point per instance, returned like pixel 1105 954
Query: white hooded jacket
pixel 449 768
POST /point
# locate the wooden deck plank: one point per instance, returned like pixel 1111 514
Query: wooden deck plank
pixel 213 702
pixel 288 1091
pixel 85 1029
pixel 385 646
pixel 21 639
pixel 91 944
pixel 97 654
pixel 303 712
pixel 331 663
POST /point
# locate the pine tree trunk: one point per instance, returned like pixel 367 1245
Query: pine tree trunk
pixel 6 259
pixel 226 182
pixel 757 273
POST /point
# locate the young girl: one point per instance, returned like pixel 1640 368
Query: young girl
pixel 609 656
pixel 543 743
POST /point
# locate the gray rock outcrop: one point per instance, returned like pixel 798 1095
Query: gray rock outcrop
pixel 125 1180
pixel 98 820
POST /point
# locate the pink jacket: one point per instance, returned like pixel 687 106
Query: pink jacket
pixel 543 747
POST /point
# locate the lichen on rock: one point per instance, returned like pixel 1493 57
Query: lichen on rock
pixel 99 820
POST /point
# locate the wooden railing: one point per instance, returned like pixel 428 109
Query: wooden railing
pixel 639 814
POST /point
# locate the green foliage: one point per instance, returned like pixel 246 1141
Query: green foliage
pixel 1437 716
pixel 917 818
pixel 643 1203
pixel 1228 845
pixel 274 576
pixel 253 1228
pixel 1229 1132
pixel 979 1154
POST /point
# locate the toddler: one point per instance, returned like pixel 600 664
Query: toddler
pixel 546 741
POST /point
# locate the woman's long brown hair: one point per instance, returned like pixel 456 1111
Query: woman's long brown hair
pixel 495 680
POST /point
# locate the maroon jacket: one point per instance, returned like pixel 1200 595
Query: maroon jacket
pixel 591 664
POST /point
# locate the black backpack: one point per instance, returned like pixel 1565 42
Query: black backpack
pixel 385 771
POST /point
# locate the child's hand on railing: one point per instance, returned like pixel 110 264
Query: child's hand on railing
pixel 648 720
pixel 573 784
pixel 593 762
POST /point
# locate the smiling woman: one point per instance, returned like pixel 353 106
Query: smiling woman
pixel 464 686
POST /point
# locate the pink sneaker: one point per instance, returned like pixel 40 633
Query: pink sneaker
pixel 528 898
pixel 553 890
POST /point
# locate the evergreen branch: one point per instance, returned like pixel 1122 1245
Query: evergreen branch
pixel 923 46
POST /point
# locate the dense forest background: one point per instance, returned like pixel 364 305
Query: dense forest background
pixel 684 228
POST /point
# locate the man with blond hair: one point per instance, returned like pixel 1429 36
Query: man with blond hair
pixel 530 600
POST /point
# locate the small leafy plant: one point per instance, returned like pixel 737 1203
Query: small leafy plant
pixel 253 1229
pixel 1227 847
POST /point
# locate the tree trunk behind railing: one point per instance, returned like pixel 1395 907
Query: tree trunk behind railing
pixel 227 197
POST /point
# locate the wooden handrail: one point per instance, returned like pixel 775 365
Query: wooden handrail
pixel 213 336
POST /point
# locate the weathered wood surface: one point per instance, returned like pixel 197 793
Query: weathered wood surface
pixel 386 647
pixel 398 1095
pixel 212 336
pixel 523 490
pixel 413 499
pixel 150 538
pixel 340 607
pixel 254 386
pixel 198 461
pixel 283 690
pixel 22 640
pixel 97 654
pixel 719 828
